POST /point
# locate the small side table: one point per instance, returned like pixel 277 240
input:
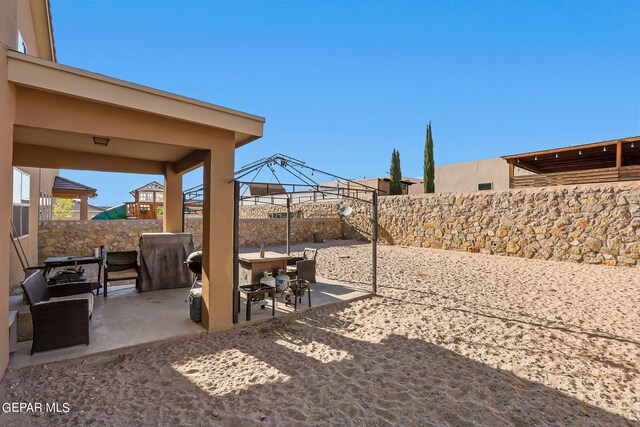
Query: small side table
pixel 13 331
pixel 252 293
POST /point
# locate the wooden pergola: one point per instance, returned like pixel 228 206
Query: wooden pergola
pixel 605 161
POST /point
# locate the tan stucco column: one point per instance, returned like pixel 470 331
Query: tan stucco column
pixel 7 115
pixel 172 209
pixel 217 239
pixel 84 208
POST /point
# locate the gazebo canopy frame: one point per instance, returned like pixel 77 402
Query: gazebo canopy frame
pixel 283 194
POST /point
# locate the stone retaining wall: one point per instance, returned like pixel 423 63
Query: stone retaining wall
pixel 77 237
pixel 327 209
pixel 597 224
pixel 81 237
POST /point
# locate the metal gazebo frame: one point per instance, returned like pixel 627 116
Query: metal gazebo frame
pixel 282 194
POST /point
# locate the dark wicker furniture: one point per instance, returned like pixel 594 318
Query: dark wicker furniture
pixel 119 262
pixel 60 313
pixel 307 254
pixel 304 267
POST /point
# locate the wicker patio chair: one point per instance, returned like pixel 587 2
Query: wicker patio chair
pixel 303 267
pixel 126 261
pixel 307 254
pixel 60 313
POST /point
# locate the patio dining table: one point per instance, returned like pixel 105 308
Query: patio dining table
pixel 253 266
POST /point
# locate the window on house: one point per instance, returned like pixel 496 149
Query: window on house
pixel 485 186
pixel 145 196
pixel 21 186
pixel 22 46
pixel 159 196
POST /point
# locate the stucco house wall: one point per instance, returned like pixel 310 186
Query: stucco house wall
pixel 465 176
pixel 41 181
pixel 16 16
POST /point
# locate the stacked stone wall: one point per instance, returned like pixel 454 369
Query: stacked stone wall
pixel 597 224
pixel 81 237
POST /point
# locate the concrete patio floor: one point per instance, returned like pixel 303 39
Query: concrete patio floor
pixel 127 318
pixel 324 291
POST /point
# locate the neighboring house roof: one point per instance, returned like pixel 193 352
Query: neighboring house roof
pixel 92 208
pixel 413 180
pixel 408 181
pixel 68 189
pixel 152 186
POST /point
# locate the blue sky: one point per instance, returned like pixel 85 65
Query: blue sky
pixel 342 83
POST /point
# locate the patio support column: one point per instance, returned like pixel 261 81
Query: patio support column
pixel 217 238
pixel 7 118
pixel 84 208
pixel 236 246
pixel 618 154
pixel 172 202
pixel 511 173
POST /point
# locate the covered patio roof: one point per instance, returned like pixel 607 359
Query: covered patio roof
pixel 66 118
pixel 596 155
pixel 605 161
pixel 57 106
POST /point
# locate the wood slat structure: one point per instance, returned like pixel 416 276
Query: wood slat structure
pixel 606 161
pixel 149 202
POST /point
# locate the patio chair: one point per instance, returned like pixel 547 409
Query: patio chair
pixel 304 267
pixel 296 289
pixel 307 254
pixel 124 261
pixel 60 313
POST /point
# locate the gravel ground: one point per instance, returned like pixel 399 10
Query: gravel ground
pixel 452 339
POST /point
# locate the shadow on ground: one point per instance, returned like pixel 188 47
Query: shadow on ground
pixel 303 370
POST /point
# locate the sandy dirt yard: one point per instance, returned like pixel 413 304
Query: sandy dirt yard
pixel 452 339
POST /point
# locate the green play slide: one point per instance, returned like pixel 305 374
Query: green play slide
pixel 116 212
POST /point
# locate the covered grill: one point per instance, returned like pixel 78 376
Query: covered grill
pixel 194 262
pixel 162 258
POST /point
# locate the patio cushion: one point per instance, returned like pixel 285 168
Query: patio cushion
pixel 130 273
pixel 88 296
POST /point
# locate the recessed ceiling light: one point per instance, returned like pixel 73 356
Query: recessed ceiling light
pixel 101 141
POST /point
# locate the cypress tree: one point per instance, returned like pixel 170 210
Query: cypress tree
pixel 429 166
pixel 395 186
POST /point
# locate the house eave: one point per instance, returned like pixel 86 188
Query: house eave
pixel 36 73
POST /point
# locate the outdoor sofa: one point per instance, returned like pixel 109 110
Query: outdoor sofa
pixel 60 313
